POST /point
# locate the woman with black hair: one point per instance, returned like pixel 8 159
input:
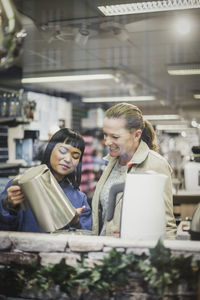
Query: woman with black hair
pixel 63 156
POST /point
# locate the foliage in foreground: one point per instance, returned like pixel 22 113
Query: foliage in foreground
pixel 156 271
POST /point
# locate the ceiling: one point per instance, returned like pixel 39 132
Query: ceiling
pixel 137 48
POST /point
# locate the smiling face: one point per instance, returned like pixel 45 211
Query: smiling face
pixel 121 142
pixel 64 160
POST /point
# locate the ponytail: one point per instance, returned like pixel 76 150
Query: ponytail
pixel 149 136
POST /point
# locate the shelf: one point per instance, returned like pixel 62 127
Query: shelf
pixel 188 193
pixel 13 121
pixel 186 197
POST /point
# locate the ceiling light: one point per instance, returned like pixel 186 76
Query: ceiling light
pixel 149 6
pixel 161 117
pixel 68 78
pixel 196 96
pixel 188 69
pixel 172 127
pixel 82 36
pixel 194 123
pixel 183 134
pixel 118 99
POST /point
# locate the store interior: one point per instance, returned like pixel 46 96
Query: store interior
pixel 63 63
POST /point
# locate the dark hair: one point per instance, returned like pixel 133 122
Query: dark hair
pixel 67 136
pixel 134 120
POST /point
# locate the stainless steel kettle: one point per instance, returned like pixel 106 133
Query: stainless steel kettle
pixel 49 204
pixel 195 224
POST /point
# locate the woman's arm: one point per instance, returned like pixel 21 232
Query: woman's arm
pixel 171 227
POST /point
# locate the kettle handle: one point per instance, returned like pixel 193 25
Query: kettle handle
pixel 23 204
pixel 114 190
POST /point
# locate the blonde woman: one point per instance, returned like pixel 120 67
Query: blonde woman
pixel 132 146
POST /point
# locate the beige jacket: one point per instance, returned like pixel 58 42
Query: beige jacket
pixel 143 159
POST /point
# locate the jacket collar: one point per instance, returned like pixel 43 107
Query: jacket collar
pixel 138 157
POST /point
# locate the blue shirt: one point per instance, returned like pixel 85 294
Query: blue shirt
pixel 25 221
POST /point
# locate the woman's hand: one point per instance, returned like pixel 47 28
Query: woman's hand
pixel 78 212
pixel 15 195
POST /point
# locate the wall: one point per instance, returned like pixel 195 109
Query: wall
pixel 49 111
pixel 46 249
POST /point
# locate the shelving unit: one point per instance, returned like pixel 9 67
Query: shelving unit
pixel 3 143
pixel 13 121
pixel 185 203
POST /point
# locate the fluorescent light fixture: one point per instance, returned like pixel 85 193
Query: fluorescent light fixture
pixel 188 69
pixel 161 117
pixel 173 127
pixel 184 72
pixel 148 6
pixel 68 78
pixel 118 99
pixel 196 96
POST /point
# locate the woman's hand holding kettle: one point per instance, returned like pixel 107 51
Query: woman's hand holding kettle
pixel 15 195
